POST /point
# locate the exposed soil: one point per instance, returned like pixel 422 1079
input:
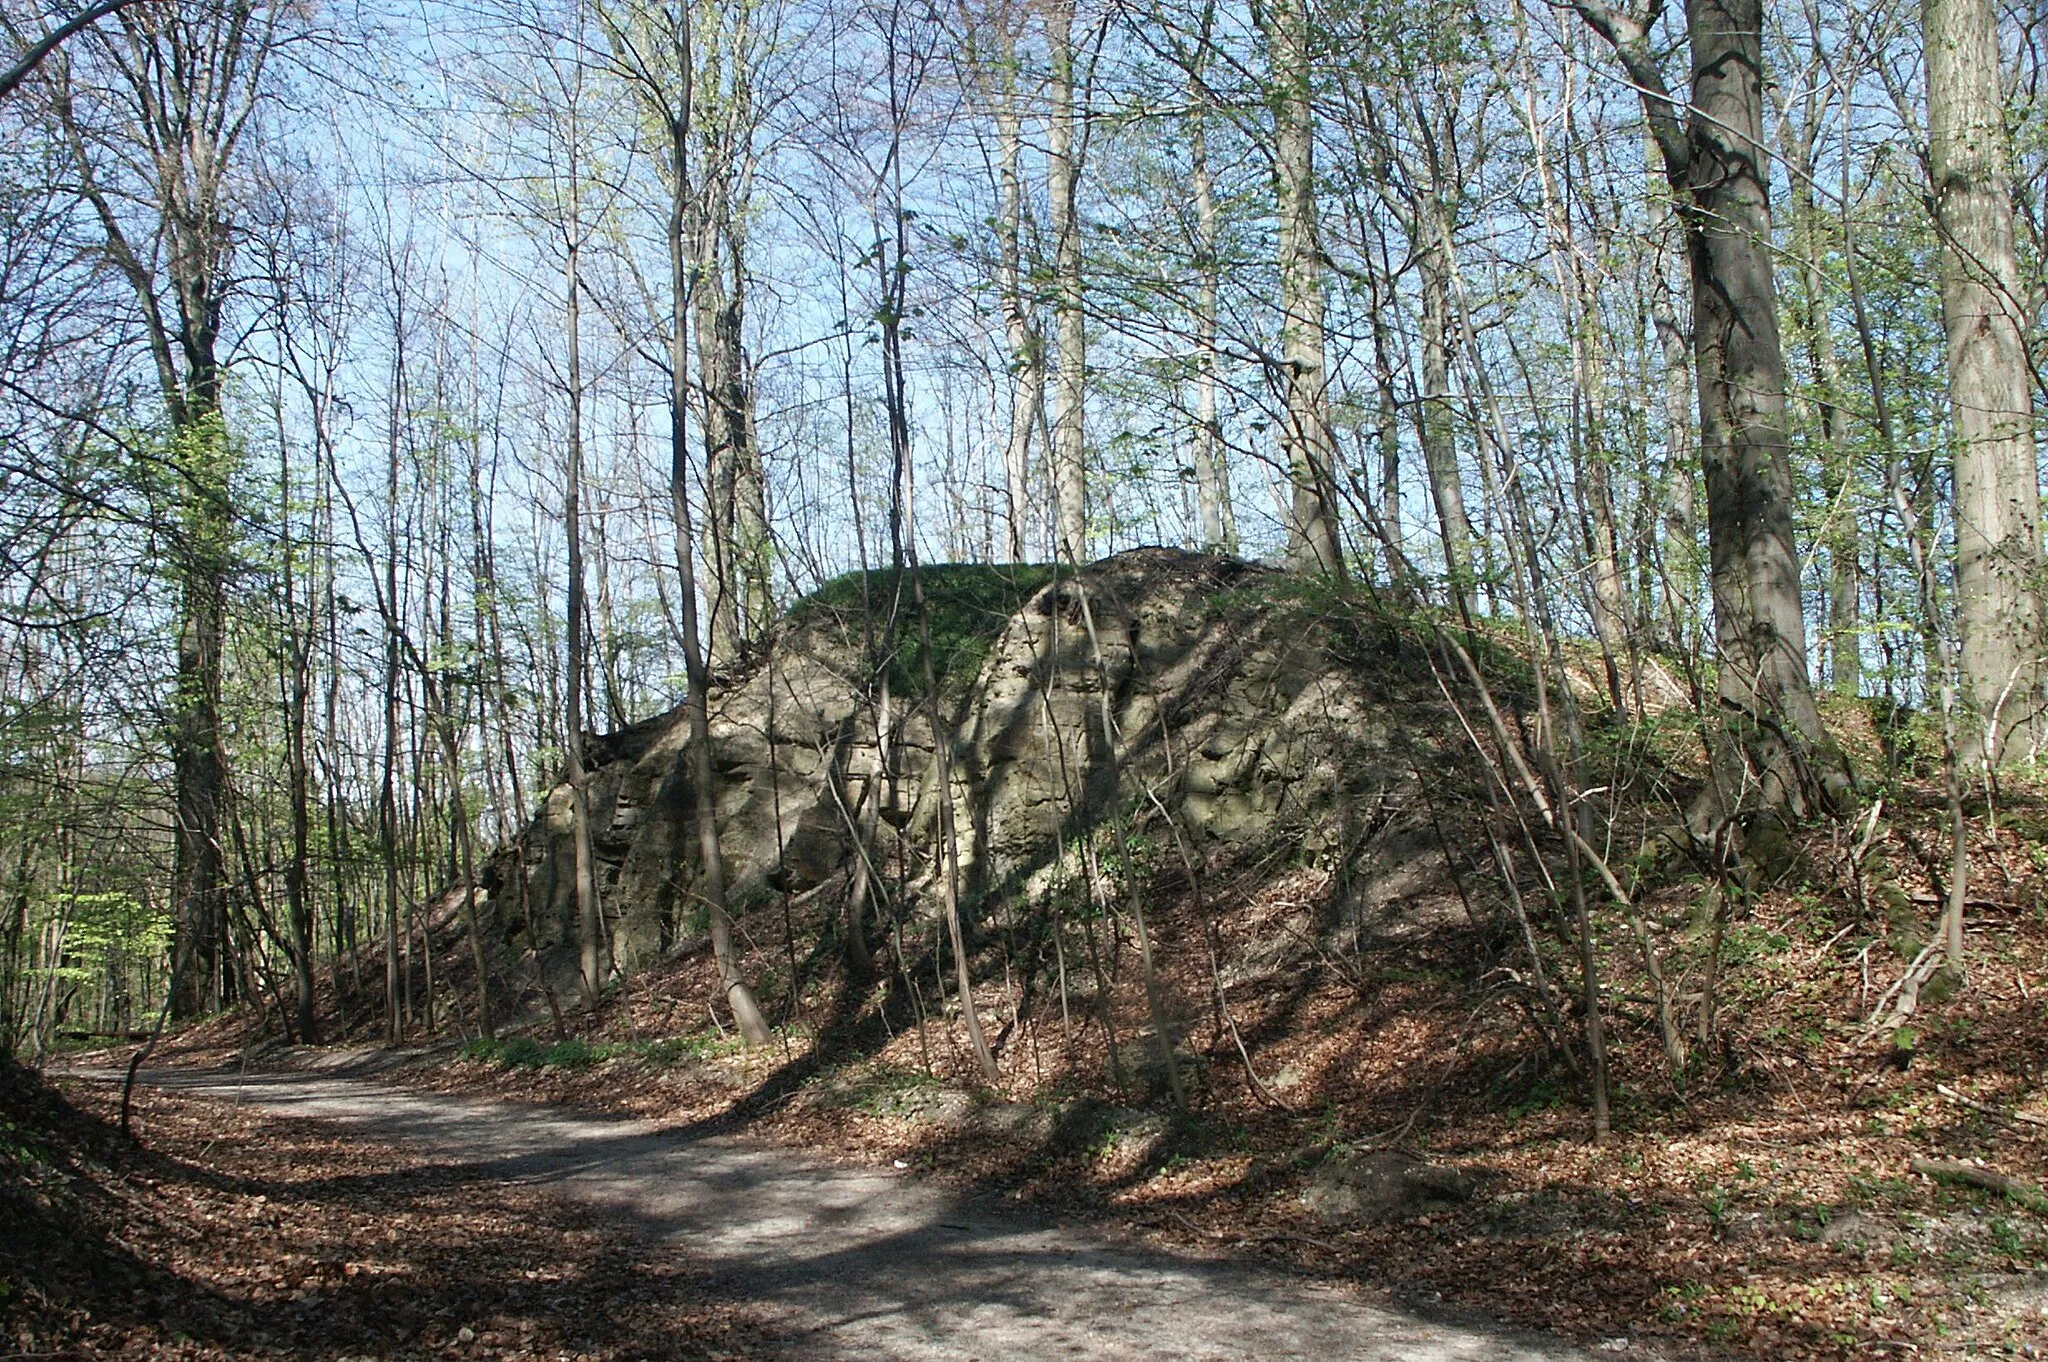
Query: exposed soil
pixel 1762 1200
pixel 840 1262
pixel 234 1233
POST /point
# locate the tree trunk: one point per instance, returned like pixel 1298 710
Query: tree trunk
pixel 1677 566
pixel 1771 750
pixel 187 129
pixel 298 644
pixel 1026 347
pixel 1839 532
pixel 1387 437
pixel 1309 442
pixel 737 547
pixel 1212 475
pixel 739 510
pixel 1070 332
pixel 387 793
pixel 589 917
pixel 1983 308
pixel 198 880
pixel 1433 420
pixel 696 704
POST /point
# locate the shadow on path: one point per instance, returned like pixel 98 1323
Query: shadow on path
pixel 871 1264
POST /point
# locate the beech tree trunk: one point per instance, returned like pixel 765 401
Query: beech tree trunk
pixel 1026 346
pixel 1218 517
pixel 738 549
pixel 1070 331
pixel 1983 308
pixel 181 83
pixel 1839 531
pixel 589 919
pixel 1433 419
pixel 1306 435
pixel 1772 751
pixel 1677 565
pixel 737 513
pixel 746 1013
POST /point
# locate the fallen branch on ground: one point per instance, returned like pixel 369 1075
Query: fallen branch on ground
pixel 1952 1095
pixel 1970 1175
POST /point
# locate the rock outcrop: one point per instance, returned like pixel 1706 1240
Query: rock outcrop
pixel 1235 700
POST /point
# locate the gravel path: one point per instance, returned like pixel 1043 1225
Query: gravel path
pixel 871 1264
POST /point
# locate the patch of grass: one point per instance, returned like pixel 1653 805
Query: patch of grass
pixel 524 1052
pixel 694 1048
pixel 1744 943
pixel 1368 634
pixel 18 1147
pixel 966 604
pixel 1866 1190
pixel 888 1090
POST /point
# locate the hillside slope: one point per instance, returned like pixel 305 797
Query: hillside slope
pixel 1281 957
pixel 1205 697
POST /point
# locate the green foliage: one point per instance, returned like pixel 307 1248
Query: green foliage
pixel 694 1048
pixel 103 927
pixel 1911 739
pixel 19 1147
pixel 524 1052
pixel 1742 944
pixel 966 604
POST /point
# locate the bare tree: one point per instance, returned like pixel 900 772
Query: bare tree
pixel 1214 508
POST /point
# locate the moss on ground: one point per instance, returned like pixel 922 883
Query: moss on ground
pixel 967 606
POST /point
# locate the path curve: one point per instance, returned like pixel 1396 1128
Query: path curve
pixel 872 1264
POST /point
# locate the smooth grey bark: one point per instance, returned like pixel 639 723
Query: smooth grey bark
pixel 1984 311
pixel 1070 330
pixel 1839 530
pixel 1214 510
pixel 1433 416
pixel 676 108
pixel 1771 750
pixel 1591 479
pixel 1387 437
pixel 387 791
pixel 298 632
pixel 737 544
pixel 589 924
pixel 1306 435
pixel 1677 553
pixel 1021 336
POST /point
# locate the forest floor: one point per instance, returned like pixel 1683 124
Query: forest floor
pixel 1783 1219
pixel 792 1258
pixel 1772 1199
pixel 226 1232
pixel 1773 1206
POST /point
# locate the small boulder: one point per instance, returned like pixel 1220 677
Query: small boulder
pixel 1383 1185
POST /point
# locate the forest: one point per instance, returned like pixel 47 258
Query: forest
pixel 1444 559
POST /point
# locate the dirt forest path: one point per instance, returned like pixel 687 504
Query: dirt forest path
pixel 872 1264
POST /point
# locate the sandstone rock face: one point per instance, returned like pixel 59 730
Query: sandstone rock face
pixel 1156 682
